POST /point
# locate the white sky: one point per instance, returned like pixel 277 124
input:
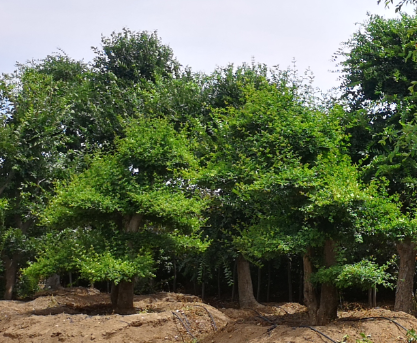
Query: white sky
pixel 203 34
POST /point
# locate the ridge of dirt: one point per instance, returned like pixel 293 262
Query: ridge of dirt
pixel 80 315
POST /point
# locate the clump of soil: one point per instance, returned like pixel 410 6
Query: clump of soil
pixel 84 315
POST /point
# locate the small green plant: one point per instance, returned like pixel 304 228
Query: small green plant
pixel 411 336
pixel 26 287
pixel 364 339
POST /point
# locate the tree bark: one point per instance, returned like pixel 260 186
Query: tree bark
pixel 244 282
pixel 310 298
pixel 122 293
pixel 11 266
pixel 122 297
pixel 404 292
pixel 329 296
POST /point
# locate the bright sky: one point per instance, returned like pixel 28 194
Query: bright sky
pixel 203 33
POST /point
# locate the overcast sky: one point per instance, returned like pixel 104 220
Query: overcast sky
pixel 203 33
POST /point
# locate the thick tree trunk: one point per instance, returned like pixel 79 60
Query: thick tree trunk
pixel 404 292
pixel 122 294
pixel 328 304
pixel 324 311
pixel 244 282
pixel 122 297
pixel 329 297
pixel 114 294
pixel 310 298
pixel 11 266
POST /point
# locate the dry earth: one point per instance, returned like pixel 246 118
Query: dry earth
pixel 83 315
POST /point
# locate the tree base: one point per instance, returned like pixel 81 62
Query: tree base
pixel 122 298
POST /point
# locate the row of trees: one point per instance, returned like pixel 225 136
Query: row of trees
pixel 109 167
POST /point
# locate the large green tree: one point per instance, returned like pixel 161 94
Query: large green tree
pixel 36 148
pixel 145 185
pixel 379 68
pixel 264 145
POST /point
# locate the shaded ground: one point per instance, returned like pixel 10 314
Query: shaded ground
pixel 83 315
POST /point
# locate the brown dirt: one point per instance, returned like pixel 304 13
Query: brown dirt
pixel 83 315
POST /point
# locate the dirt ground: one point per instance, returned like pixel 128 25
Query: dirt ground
pixel 84 315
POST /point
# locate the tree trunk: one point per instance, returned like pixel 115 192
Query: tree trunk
pixel 329 297
pixel 122 297
pixel 11 266
pixel 70 278
pixel 114 295
pixel 244 282
pixel 370 298
pixel 234 281
pixel 404 292
pixel 289 280
pixel 328 304
pixel 258 289
pixel 219 288
pixel 310 298
pixel 300 288
pixel 268 288
pixel 174 285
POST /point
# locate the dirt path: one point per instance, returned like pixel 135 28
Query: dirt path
pixel 81 315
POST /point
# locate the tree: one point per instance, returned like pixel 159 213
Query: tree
pixel 263 146
pixel 379 68
pixel 55 110
pixel 34 151
pixel 135 57
pixel 146 185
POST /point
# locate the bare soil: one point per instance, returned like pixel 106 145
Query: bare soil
pixel 84 315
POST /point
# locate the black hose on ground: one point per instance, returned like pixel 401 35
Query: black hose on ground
pixel 213 323
pixel 184 325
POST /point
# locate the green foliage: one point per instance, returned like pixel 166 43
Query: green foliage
pixel 364 274
pixel 376 60
pixel 105 266
pixel 399 5
pixel 57 252
pixel 411 336
pixel 135 56
pixel 364 339
pixel 143 179
pixel 26 286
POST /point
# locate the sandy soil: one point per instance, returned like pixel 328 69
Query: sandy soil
pixel 83 315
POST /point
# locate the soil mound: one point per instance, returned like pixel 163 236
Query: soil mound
pixel 83 315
